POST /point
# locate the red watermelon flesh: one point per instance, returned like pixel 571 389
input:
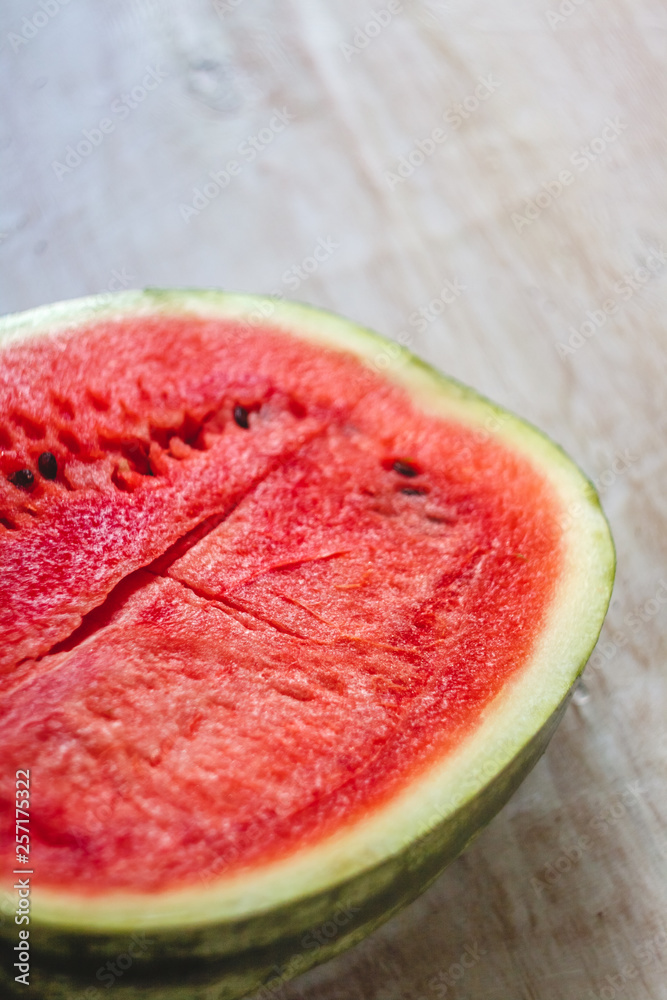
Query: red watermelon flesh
pixel 219 642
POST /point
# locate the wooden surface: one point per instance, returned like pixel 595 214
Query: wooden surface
pixel 536 923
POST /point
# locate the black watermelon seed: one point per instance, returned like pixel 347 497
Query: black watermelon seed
pixel 410 492
pixel 241 417
pixel 404 468
pixel 47 465
pixel 23 478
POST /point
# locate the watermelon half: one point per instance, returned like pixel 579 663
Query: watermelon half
pixel 286 617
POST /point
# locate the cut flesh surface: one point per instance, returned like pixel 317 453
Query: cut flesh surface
pixel 341 623
pixel 221 642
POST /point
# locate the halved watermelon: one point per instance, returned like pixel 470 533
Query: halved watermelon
pixel 286 616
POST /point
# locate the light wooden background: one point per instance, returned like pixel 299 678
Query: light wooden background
pixel 598 930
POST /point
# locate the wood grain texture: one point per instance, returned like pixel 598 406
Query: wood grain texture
pixel 533 268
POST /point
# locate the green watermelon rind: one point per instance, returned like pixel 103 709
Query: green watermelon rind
pixel 222 942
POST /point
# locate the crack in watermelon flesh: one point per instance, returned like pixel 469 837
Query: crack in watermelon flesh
pixel 219 643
